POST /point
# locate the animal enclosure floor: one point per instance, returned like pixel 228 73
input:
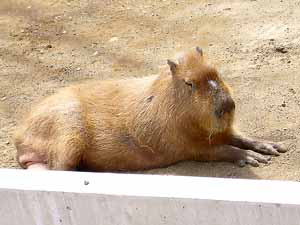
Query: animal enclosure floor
pixel 45 45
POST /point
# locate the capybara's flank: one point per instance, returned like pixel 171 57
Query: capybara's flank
pixel 184 113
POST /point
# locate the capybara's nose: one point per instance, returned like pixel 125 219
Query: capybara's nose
pixel 227 106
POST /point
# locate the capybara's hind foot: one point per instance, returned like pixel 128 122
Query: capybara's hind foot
pixel 37 166
pixel 32 161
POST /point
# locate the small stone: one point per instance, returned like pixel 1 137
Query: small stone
pixel 3 98
pixel 281 49
pixel 113 39
pixel 283 104
pixel 7 142
pixel 95 53
pixel 49 46
pixel 13 35
pixel 78 68
pixel 29 7
pixel 64 32
pixel 241 163
pixel 292 90
pixel 22 31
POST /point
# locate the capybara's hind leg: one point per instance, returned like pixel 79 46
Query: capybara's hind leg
pixel 31 160
pixel 38 166
pixel 67 154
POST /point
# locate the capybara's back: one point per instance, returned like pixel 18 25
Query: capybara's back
pixel 82 127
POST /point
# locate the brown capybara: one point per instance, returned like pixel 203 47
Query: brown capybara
pixel 185 113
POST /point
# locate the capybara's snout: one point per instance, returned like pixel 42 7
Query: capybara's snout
pixel 225 104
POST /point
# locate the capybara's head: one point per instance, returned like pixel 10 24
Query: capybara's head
pixel 204 97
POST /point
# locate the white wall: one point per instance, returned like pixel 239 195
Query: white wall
pixel 78 198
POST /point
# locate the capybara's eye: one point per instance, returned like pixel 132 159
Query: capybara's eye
pixel 189 83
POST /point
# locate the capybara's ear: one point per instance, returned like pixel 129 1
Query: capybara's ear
pixel 199 50
pixel 173 66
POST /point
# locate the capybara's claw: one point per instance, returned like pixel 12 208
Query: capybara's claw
pixel 253 158
pixel 269 148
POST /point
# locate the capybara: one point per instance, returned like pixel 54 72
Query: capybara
pixel 184 113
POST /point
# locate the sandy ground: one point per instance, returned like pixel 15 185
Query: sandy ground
pixel 45 45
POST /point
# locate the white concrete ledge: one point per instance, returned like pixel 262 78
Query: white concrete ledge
pixel 51 197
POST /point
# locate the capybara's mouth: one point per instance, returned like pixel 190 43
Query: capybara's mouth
pixel 223 122
pixel 226 108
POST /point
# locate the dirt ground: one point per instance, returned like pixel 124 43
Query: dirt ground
pixel 45 45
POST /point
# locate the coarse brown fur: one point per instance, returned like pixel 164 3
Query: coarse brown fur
pixel 185 113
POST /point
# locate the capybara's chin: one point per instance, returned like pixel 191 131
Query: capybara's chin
pixel 225 122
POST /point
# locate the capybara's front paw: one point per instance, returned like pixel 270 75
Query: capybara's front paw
pixel 269 148
pixel 252 158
